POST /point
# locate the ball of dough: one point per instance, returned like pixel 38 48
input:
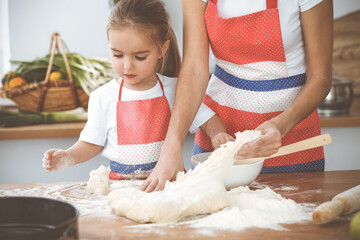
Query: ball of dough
pixel 99 182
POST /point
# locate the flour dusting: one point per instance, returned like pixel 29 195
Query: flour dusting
pixel 288 188
pixel 261 208
pixel 72 192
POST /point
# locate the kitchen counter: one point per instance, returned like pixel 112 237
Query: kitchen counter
pixel 68 130
pixel 314 188
pixel 352 119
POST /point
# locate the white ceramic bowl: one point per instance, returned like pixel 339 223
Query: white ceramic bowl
pixel 238 175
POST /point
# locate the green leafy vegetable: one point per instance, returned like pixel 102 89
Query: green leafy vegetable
pixel 89 73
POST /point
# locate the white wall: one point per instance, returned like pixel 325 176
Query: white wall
pixel 344 7
pixel 20 160
pixel 4 44
pixel 4 36
pixel 81 24
pixel 344 152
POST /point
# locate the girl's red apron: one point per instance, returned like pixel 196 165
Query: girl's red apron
pixel 141 130
pixel 250 84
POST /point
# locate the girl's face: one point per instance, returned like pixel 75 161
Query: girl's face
pixel 134 57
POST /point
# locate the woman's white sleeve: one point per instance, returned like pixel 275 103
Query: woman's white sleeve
pixel 95 129
pixel 202 116
pixel 308 4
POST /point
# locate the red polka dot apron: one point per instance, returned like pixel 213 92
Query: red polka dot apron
pixel 250 84
pixel 141 130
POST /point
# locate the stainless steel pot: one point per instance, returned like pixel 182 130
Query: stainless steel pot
pixel 340 97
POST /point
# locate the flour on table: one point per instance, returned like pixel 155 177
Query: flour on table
pixel 99 182
pixel 288 188
pixel 90 205
pixel 197 192
pixel 262 208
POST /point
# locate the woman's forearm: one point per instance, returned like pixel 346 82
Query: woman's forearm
pixel 317 25
pixel 306 102
pixel 189 95
pixel 194 73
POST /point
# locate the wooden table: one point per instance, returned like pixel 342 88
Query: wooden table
pixel 313 188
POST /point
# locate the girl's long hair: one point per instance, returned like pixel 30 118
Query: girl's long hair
pixel 149 15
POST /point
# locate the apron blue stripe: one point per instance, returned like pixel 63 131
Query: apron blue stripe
pixel 260 85
pixel 131 169
pixel 315 166
pixel 197 149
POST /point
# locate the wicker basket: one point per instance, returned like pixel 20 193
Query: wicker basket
pixel 49 96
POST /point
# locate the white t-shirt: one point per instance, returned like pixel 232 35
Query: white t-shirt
pixel 100 128
pixel 290 24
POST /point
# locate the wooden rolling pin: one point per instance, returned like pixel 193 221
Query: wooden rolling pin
pixel 342 204
pixel 306 144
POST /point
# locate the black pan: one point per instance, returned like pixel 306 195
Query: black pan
pixel 37 218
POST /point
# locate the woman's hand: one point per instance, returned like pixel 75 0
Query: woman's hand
pixel 220 138
pixel 56 159
pixel 169 164
pixel 268 144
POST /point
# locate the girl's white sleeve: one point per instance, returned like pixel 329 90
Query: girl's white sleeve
pixel 95 129
pixel 308 4
pixel 202 116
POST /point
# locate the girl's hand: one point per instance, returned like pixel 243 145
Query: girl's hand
pixel 220 139
pixel 56 159
pixel 268 144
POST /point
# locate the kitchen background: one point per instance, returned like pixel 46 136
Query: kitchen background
pixel 25 30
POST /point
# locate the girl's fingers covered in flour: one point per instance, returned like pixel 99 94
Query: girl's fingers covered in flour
pixel 56 159
pixel 220 138
pixel 47 159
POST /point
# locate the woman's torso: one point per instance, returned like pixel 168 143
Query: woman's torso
pixel 254 80
pixel 290 24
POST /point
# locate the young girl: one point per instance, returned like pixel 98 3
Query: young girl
pixel 128 117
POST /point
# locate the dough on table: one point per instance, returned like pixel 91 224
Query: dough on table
pixel 199 191
pixel 99 182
